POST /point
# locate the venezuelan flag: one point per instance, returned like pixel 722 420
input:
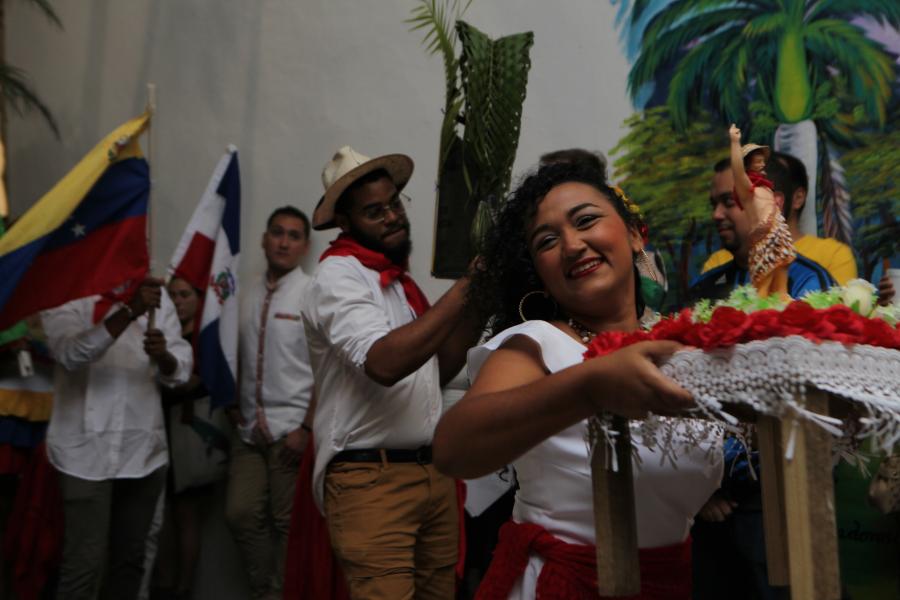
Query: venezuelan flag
pixel 86 236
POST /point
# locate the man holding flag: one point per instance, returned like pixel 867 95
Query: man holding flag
pixel 84 244
pixel 106 435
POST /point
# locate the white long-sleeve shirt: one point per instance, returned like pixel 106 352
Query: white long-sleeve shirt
pixel 347 311
pixel 276 379
pixel 107 420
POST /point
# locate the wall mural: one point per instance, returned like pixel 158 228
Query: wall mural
pixel 817 79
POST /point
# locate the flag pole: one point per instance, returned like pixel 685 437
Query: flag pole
pixel 151 110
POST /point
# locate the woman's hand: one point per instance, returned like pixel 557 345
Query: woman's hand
pixel 629 382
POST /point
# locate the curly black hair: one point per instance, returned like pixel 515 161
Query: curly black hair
pixel 507 271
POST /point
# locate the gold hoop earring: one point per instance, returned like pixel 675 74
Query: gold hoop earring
pixel 525 297
pixel 649 266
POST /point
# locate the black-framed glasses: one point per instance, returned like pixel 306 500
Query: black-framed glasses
pixel 377 213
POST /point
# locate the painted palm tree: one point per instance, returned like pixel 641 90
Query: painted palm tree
pixel 872 172
pixel 726 54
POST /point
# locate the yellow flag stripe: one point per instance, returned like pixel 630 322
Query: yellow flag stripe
pixel 55 206
pixel 26 404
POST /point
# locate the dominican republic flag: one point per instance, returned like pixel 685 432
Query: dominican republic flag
pixel 87 235
pixel 207 257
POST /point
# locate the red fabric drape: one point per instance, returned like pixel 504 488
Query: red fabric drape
pixel 311 570
pixel 570 571
pixel 34 533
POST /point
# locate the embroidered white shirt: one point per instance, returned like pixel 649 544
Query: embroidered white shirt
pixel 107 420
pixel 346 313
pixel 276 380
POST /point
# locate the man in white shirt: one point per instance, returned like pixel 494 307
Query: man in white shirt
pixel 106 435
pixel 275 393
pixel 379 355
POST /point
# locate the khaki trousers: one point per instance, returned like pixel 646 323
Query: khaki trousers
pixel 258 504
pixel 394 528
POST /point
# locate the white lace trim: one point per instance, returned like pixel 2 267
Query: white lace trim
pixel 772 377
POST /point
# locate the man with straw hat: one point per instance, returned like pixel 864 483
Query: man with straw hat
pixel 379 354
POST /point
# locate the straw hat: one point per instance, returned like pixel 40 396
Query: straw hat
pixel 746 149
pixel 346 166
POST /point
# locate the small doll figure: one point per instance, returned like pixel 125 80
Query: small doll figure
pixel 771 245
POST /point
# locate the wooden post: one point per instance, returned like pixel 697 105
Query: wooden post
pixel 809 506
pixel 618 569
pixel 771 454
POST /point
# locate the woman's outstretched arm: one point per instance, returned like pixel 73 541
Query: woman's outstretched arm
pixel 514 404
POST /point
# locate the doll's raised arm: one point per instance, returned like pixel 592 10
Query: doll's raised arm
pixel 742 184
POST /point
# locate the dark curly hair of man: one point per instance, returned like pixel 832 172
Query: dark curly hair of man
pixel 506 271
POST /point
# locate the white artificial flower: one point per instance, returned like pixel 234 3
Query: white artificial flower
pixel 860 295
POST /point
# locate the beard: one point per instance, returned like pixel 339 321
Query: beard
pixel 399 255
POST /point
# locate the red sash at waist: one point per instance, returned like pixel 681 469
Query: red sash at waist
pixel 570 570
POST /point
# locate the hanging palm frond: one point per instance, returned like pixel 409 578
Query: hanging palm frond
pixel 484 92
pixel 21 97
pixel 437 20
pixel 837 219
pixel 494 77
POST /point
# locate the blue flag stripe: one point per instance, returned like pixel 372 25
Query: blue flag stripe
pixel 230 189
pixel 121 192
pixel 214 369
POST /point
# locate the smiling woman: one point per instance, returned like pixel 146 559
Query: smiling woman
pixel 569 236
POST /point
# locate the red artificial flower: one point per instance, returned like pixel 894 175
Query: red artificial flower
pixel 798 318
pixel 675 328
pixel 764 324
pixel 877 332
pixel 729 326
pixel 610 341
pixel 848 324
pixel 726 327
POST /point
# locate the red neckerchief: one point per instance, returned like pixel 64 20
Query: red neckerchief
pixel 345 245
pixel 108 299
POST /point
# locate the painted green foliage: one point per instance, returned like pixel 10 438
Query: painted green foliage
pixel 872 173
pixel 781 50
pixel 667 172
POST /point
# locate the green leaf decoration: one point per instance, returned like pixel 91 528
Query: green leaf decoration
pixel 494 75
pixel 485 89
pixel 437 20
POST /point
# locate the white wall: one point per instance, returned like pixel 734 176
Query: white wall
pixel 289 82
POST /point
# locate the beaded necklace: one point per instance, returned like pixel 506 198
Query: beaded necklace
pixel 583 332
